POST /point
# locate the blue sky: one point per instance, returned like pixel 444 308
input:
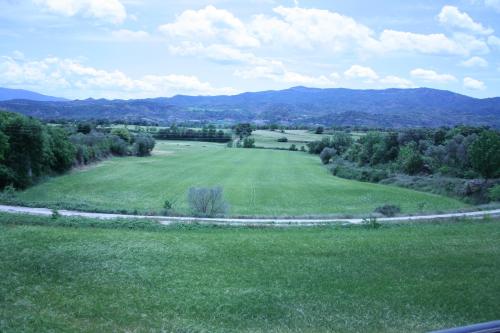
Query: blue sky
pixel 135 49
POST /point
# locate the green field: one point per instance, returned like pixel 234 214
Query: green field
pixel 268 139
pixel 255 181
pixel 408 278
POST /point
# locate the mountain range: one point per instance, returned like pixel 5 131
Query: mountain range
pixel 295 106
pixel 9 94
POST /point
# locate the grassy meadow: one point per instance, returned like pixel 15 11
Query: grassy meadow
pixel 256 182
pixel 399 278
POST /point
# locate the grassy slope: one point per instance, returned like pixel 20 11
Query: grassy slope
pixel 256 182
pixel 410 278
pixel 268 139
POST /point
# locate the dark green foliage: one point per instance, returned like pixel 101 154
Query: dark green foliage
pixel 30 150
pixel 143 144
pixel 207 134
pixel 282 139
pixel 248 143
pixel 410 160
pixel 485 154
pixel 388 210
pixel 84 128
pixel 327 154
pixel 63 152
pixel 122 133
pixel 494 193
pixel 293 147
pixel 319 130
pixel 207 201
pixel 243 130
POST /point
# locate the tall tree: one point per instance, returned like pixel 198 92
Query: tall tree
pixel 485 154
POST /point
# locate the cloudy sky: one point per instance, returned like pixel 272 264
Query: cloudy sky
pixel 150 48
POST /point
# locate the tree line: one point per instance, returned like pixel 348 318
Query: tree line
pixel 30 150
pixel 461 152
pixel 207 133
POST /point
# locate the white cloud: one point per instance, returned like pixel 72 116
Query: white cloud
pixel 494 41
pixel 452 17
pixel 107 10
pixel 428 44
pixel 396 82
pixel 475 62
pixel 473 84
pixel 54 74
pixel 361 72
pixel 311 28
pixel 210 25
pixel 124 35
pixel 431 76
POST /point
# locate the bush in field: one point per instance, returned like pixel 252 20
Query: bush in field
pixel 388 210
pixel 248 143
pixel 327 154
pixel 207 201
pixel 494 193
pixel 283 139
pixel 293 147
pixel 122 133
pixel 143 144
pixel 319 130
pixel 118 146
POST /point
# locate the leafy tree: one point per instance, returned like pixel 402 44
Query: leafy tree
pixel 62 150
pixel 327 154
pixel 319 130
pixel 123 133
pixel 4 145
pixel 485 154
pixel 248 143
pixel 84 128
pixel 143 144
pixel 243 130
pixel 410 160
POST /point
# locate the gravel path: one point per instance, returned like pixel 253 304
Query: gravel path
pixel 246 222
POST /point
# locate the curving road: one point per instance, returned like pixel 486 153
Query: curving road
pixel 166 220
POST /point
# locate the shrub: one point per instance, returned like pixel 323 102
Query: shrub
pixel 371 223
pixel 293 147
pixel 143 145
pixel 248 143
pixel 327 154
pixel 283 139
pixel 55 214
pixel 230 144
pixel 388 210
pixel 207 201
pixel 494 193
pixel 123 133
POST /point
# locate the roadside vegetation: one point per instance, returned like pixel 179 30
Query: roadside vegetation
pixel 30 150
pixel 462 162
pixel 83 275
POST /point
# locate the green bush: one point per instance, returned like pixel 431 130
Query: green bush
pixel 494 193
pixel 283 139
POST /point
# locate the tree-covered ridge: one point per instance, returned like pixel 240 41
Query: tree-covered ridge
pixel 389 108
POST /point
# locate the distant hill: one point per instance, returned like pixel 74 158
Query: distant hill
pixel 9 94
pixel 299 105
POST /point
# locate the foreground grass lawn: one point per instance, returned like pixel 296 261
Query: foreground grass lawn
pixel 410 278
pixel 255 181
